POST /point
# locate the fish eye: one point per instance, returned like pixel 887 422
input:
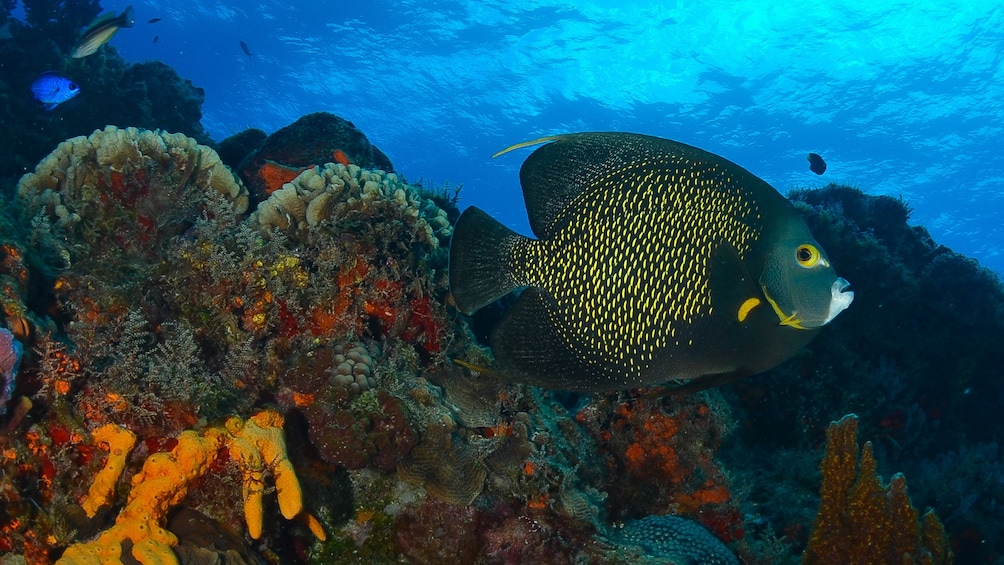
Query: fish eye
pixel 807 255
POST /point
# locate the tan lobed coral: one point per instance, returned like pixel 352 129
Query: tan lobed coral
pixel 333 192
pixel 125 190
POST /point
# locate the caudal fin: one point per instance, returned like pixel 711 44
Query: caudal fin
pixel 481 260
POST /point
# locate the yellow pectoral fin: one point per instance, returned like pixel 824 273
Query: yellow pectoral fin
pixel 746 308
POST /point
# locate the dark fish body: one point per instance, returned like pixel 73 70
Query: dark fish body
pixel 101 31
pixel 153 20
pixel 655 261
pixel 244 47
pixel 816 163
pixel 156 38
pixel 52 89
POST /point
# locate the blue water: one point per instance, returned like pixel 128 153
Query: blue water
pixel 904 98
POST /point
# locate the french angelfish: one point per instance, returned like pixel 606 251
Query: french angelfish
pixel 654 261
pixel 816 163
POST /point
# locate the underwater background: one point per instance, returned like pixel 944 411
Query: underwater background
pixel 228 332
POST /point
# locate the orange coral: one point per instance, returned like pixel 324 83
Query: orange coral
pixel 276 174
pixel 860 520
pixel 669 447
pixel 652 451
pixel 335 317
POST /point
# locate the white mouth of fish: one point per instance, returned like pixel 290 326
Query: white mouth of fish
pixel 840 298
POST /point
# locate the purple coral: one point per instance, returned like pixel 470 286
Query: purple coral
pixel 10 358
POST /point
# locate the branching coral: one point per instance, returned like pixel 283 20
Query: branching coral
pixel 257 445
pixel 860 520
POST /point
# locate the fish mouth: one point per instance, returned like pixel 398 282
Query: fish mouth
pixel 840 298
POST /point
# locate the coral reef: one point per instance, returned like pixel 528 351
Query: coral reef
pixel 156 303
pixel 102 211
pixel 335 193
pixel 669 447
pixel 861 520
pixel 314 139
pixel 121 227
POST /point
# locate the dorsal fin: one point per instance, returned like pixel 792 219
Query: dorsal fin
pixel 555 174
pixel 598 167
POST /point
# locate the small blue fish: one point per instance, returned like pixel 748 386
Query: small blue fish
pixel 52 90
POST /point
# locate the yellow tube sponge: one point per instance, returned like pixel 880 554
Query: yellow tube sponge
pixel 120 442
pixel 256 445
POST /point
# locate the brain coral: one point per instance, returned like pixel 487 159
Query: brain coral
pixel 124 191
pixel 678 540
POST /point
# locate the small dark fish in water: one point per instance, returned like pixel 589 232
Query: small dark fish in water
pixel 244 46
pixel 654 261
pixel 52 90
pixel 155 38
pixel 100 31
pixel 816 163
pixel 153 20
